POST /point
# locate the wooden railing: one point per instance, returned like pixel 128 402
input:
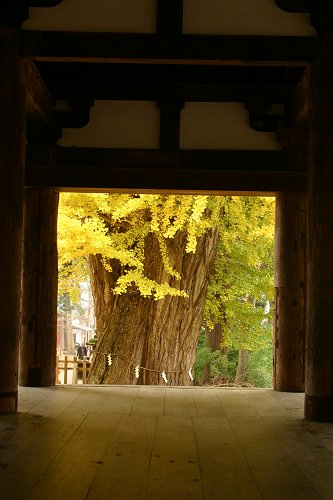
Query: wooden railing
pixel 71 364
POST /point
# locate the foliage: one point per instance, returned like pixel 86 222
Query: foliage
pixel 241 286
pixel 215 360
pixel 261 367
pixel 116 225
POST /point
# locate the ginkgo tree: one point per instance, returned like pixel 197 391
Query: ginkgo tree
pixel 149 259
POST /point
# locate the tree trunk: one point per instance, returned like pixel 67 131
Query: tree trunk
pixel 242 367
pixel 158 336
pixel 214 339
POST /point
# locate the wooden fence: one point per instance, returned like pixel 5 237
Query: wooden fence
pixel 79 369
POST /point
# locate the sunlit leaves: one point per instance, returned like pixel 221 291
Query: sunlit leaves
pixel 242 283
pixel 115 226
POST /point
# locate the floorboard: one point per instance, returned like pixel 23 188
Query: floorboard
pixel 156 443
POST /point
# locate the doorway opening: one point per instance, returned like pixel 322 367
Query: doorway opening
pixel 166 289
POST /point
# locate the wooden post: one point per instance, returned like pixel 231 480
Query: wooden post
pixel 290 292
pixel 12 149
pixel 39 288
pixel 57 370
pixel 84 370
pixel 75 372
pixel 319 344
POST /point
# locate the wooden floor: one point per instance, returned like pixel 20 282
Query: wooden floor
pixel 111 442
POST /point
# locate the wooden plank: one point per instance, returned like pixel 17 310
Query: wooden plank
pixel 179 402
pixel 38 442
pixel 149 401
pixel 120 399
pixel 309 446
pixel 66 443
pixel 124 471
pixel 71 472
pixel 234 402
pixel 174 471
pixel 224 471
pixel 184 49
pixel 276 472
pixel 207 402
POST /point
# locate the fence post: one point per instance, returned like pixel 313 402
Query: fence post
pixel 65 369
pixel 57 370
pixel 75 370
pixel 84 370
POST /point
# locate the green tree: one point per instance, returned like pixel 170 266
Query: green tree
pixel 241 287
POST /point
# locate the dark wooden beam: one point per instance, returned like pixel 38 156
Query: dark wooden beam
pixel 295 5
pixel 185 171
pixel 184 49
pixel 292 138
pixel 322 15
pixel 181 92
pixel 170 110
pixel 169 17
pixel 297 108
pixel 44 3
pixel 190 83
pixel 40 104
pixel 258 104
pixel 13 12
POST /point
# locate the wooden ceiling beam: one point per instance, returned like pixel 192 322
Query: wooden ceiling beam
pixel 40 103
pixel 295 5
pixel 44 3
pixel 251 172
pixel 169 17
pixel 297 104
pixel 184 49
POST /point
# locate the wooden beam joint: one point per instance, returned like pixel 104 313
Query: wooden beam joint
pixel 40 103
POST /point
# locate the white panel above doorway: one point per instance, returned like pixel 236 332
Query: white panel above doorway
pixel 243 17
pixel 136 16
pixel 221 125
pixel 117 124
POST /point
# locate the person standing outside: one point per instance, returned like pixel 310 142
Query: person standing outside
pixel 82 351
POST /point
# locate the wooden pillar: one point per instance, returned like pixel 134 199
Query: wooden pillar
pixel 39 288
pixel 290 292
pixel 319 344
pixel 12 147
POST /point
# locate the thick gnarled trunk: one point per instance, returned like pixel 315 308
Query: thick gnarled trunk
pixel 156 335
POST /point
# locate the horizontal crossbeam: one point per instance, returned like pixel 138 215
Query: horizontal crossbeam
pixel 181 171
pixel 182 49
